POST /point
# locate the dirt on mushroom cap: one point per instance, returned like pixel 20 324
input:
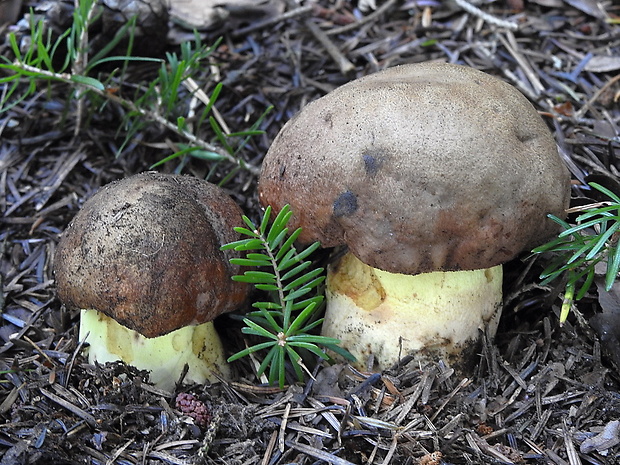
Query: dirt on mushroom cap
pixel 420 168
pixel 145 251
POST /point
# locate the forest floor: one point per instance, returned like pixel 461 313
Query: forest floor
pixel 541 393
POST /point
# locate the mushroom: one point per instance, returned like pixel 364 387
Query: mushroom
pixel 430 176
pixel 142 261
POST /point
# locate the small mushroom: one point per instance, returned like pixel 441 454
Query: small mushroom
pixel 142 261
pixel 431 175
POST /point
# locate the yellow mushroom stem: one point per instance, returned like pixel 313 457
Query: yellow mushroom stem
pixel 164 357
pixel 431 315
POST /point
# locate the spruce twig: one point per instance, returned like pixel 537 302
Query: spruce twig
pixel 286 323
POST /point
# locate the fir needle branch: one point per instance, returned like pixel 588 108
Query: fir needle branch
pixel 579 248
pixel 286 321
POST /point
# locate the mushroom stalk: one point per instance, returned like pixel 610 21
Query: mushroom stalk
pixel 440 314
pixel 199 347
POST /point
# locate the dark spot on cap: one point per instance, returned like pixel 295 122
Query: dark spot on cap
pixel 372 163
pixel 345 204
pixel 328 118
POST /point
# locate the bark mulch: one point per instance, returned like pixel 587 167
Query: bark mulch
pixel 541 393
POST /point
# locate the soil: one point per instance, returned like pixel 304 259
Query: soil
pixel 540 392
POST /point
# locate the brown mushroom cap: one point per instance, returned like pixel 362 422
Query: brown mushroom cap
pixel 419 168
pixel 146 251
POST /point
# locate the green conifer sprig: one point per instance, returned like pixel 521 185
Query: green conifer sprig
pixel 286 322
pixel 164 99
pixel 580 247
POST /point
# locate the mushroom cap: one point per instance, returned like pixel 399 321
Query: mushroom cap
pixel 145 251
pixel 419 168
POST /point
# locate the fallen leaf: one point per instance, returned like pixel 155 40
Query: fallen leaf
pixel 603 63
pixel 590 7
pixel 211 14
pixel 606 439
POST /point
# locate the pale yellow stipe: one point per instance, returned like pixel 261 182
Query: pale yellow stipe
pixel 432 315
pixel 198 346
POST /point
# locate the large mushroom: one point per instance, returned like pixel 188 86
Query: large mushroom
pixel 431 176
pixel 142 260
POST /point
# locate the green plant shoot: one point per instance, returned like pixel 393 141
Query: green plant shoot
pixel 162 100
pixel 581 247
pixel 285 323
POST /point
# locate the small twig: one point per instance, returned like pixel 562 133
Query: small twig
pixel 486 448
pixel 571 452
pixel 81 59
pixel 464 383
pixel 76 352
pixel 522 62
pixel 586 106
pixel 256 390
pixel 388 457
pixel 270 447
pixel 191 85
pixel 119 451
pixel 39 350
pixel 366 19
pixel 282 433
pixel 87 417
pixel 318 453
pixel 297 12
pixel 487 17
pixel 346 67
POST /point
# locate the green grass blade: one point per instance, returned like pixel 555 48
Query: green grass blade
pixel 221 137
pixel 257 277
pixel 602 241
pixel 240 243
pixel 341 352
pixel 15 47
pixel 250 244
pixel 300 319
pixel 286 247
pixel 310 348
pixel 613 266
pixel 295 271
pixel 245 232
pixel 282 218
pixel 295 359
pixel 248 262
pixel 122 33
pixel 309 327
pixel 265 221
pixel 251 350
pixel 209 106
pixel 88 82
pixel 274 242
pixel 281 367
pixel 289 259
pixel 278 226
pixel 267 305
pixel 582 226
pixel 605 191
pixel 267 287
pixel 308 250
pixel 313 339
pixel 586 284
pixel 296 294
pixel 259 330
pixel 268 361
pixel 301 304
pixel 300 281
